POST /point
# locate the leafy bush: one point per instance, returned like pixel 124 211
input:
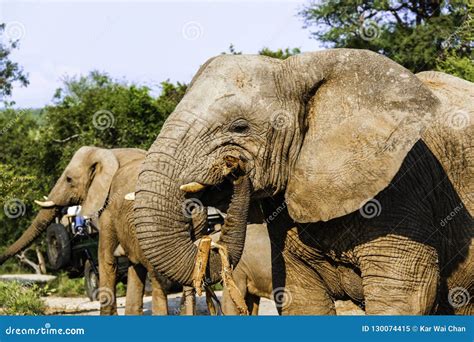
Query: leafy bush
pixel 64 286
pixel 19 299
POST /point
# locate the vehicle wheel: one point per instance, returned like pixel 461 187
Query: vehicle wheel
pixel 59 246
pixel 91 281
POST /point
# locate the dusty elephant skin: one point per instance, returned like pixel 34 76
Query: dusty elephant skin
pixel 343 155
pixel 253 274
pixel 98 179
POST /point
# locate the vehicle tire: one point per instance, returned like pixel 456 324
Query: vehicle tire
pixel 59 246
pixel 91 280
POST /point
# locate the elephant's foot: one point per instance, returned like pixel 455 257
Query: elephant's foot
pixel 109 310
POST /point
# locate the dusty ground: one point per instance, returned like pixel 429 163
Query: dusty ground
pixel 83 306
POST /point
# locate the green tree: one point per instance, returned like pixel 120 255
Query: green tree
pixel 420 35
pixel 19 172
pixel 10 72
pixel 280 53
pixel 89 110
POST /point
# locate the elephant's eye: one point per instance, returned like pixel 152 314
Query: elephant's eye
pixel 239 126
pixel 68 179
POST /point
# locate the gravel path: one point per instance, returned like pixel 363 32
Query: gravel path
pixel 83 306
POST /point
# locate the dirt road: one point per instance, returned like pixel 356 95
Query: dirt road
pixel 83 306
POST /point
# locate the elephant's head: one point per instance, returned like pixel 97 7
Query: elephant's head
pixel 328 129
pixel 85 181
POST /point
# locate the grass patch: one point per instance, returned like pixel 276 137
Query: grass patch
pixel 64 286
pixel 19 299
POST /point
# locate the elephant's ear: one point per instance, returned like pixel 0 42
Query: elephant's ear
pixel 102 165
pixel 360 114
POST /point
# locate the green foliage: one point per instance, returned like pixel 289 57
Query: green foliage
pixel 413 33
pixel 281 54
pixel 18 299
pixel 19 172
pixel 10 72
pixel 63 286
pixel 121 290
pixel 36 145
pixel 452 62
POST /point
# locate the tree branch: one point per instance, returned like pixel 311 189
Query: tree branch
pixel 66 139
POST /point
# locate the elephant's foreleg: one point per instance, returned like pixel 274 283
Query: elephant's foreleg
pixel 302 291
pixel 188 303
pixel 107 267
pixel 159 299
pixel 400 276
pixel 135 289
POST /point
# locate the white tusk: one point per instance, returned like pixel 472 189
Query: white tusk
pixel 130 196
pixel 45 198
pixel 119 251
pixel 46 204
pixel 192 187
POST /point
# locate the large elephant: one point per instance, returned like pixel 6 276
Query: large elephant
pixel 331 145
pixel 98 179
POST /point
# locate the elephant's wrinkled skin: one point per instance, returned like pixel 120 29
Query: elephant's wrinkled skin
pixel 337 150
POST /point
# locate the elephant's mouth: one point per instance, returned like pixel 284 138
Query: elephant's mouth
pixel 217 194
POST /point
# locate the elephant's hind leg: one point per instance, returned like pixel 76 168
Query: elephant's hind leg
pixel 135 289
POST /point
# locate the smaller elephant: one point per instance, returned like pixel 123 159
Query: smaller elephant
pixel 253 274
pixel 97 179
pixel 117 236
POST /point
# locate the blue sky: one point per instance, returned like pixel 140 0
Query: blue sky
pixel 145 42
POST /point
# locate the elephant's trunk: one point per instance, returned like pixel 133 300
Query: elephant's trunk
pixel 39 225
pixel 161 225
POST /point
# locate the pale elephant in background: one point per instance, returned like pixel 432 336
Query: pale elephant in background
pixel 85 181
pixel 253 274
pixel 339 149
pixel 96 179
